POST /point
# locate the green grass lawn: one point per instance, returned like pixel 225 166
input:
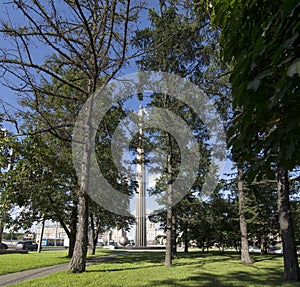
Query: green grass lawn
pixel 10 263
pixel 194 269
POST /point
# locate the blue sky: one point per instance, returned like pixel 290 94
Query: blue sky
pixel 9 98
pixel 40 52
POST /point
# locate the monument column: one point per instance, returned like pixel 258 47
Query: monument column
pixel 140 235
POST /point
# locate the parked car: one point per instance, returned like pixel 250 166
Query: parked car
pixel 130 244
pixel 254 249
pixel 275 249
pixel 279 251
pixel 66 242
pixel 3 246
pixel 26 245
pixel 113 246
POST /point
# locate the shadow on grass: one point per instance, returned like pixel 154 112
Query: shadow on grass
pixel 134 257
pixel 204 279
pixel 243 279
pixel 120 269
pixel 251 275
pixel 129 261
pixel 260 258
pixel 158 257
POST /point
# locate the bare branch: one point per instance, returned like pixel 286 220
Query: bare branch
pixel 89 38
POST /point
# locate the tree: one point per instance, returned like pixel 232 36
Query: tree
pixel 102 220
pixel 180 40
pixel 261 40
pixel 262 213
pixel 209 223
pixel 295 205
pixel 45 185
pixel 89 38
pixel 8 157
pixel 243 223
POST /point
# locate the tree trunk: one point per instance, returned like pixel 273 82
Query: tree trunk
pixel 3 198
pixel 78 261
pixel 203 246
pixel 72 240
pixel 170 215
pixel 1 231
pixel 73 230
pixel 263 246
pixel 174 236
pixel 291 266
pixel 2 217
pixel 93 236
pixel 41 236
pixel 245 256
pixel 94 246
pixel 186 238
pixel 168 256
pixel 169 231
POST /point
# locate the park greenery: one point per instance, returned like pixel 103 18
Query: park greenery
pixel 192 269
pixel 243 54
pixel 11 263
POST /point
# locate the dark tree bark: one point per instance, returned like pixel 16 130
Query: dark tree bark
pixel 92 243
pixel 171 219
pixel 78 261
pixel 168 255
pixel 263 246
pixel 72 240
pixel 73 230
pixel 41 235
pixel 186 238
pixel 291 265
pixel 245 256
pixel 174 235
pixel 2 221
pixel 95 229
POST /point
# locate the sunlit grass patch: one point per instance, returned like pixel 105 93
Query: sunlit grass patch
pixel 195 269
pixel 10 263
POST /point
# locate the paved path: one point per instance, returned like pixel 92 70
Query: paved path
pixel 13 278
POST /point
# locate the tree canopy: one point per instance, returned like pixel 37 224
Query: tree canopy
pixel 263 43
